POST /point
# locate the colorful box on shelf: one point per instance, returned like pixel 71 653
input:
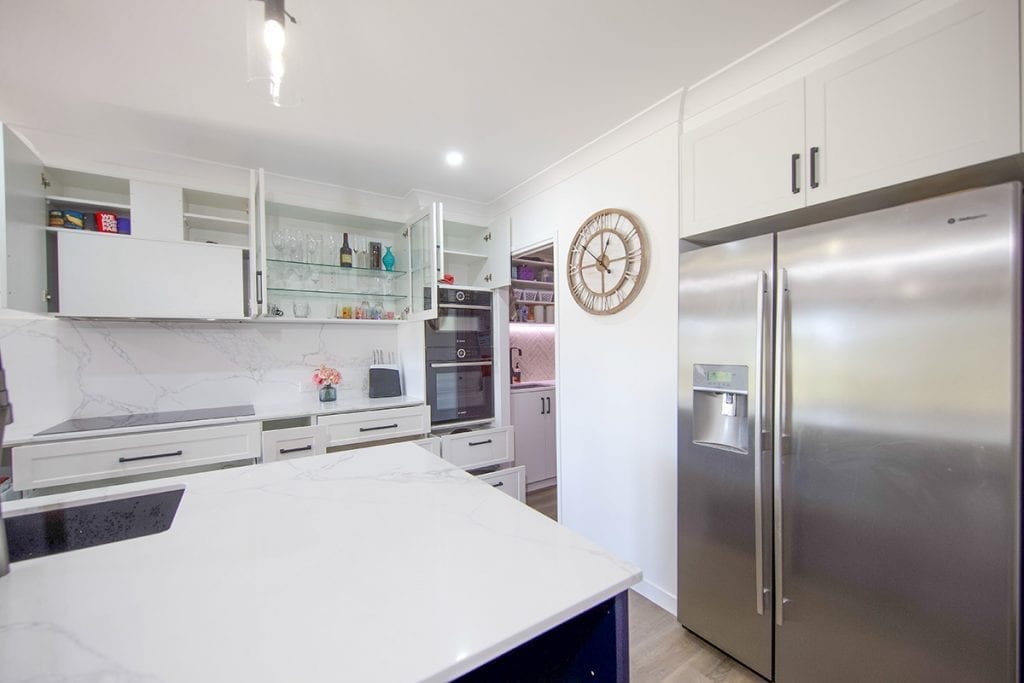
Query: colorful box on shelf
pixel 106 221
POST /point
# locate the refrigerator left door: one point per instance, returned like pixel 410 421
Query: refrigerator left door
pixel 724 522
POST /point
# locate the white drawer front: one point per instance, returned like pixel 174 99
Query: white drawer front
pixel 375 425
pixel 511 481
pixel 297 442
pixel 70 462
pixel 431 443
pixel 481 448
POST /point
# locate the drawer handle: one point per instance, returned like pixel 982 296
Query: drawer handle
pixel 479 443
pixel 150 457
pixel 308 447
pixel 500 483
pixel 375 429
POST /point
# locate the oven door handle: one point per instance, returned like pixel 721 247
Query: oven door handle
pixel 469 307
pixel 468 364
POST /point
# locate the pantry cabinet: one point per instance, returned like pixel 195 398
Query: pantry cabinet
pixel 533 418
pixel 476 256
pixel 929 96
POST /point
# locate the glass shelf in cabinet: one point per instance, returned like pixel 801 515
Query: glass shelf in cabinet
pixel 377 272
pixel 335 293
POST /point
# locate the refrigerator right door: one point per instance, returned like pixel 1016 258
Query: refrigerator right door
pixel 898 464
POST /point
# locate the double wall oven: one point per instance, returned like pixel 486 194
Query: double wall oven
pixel 460 357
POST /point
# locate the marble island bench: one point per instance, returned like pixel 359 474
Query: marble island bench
pixel 378 564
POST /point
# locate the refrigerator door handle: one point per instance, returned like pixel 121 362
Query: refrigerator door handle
pixel 762 291
pixel 781 348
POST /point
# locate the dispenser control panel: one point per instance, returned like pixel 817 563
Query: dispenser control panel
pixel 727 378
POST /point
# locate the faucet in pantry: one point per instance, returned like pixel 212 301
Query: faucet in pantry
pixel 517 374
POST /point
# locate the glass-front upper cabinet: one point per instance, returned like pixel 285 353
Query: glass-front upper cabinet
pixel 319 263
pixel 422 231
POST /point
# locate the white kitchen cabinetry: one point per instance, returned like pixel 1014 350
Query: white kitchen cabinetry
pixel 294 442
pixel 476 256
pixel 299 277
pixel 345 429
pixel 936 96
pixel 533 417
pixel 165 268
pixel 42 465
pixel 930 96
pixel 511 480
pixel 745 164
pixel 478 448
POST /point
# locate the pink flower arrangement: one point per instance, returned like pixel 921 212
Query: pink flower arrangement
pixel 326 376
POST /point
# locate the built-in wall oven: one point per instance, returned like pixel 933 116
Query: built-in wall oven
pixel 460 357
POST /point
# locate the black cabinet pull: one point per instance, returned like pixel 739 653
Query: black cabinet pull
pixel 375 429
pixel 794 167
pixel 150 457
pixel 814 167
pixel 548 399
pixel 282 451
pixel 259 287
pixel 479 443
pixel 498 485
pixel 541 405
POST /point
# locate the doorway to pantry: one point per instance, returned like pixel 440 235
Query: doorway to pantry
pixel 532 335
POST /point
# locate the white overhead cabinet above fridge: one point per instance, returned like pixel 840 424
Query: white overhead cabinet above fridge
pixel 80 244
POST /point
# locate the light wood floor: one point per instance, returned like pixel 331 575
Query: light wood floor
pixel 660 650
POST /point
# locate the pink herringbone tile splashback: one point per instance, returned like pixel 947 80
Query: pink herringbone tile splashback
pixel 538 345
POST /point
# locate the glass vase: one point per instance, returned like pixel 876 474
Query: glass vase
pixel 388 259
pixel 328 393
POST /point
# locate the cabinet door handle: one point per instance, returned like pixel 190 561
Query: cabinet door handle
pixel 259 287
pixel 498 485
pixel 307 447
pixel 541 405
pixel 814 167
pixel 548 399
pixel 480 443
pixel 375 429
pixel 150 457
pixel 794 168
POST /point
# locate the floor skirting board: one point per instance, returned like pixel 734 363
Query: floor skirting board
pixel 659 596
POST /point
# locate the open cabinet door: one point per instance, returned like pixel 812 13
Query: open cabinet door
pixel 22 226
pixel 499 252
pixel 258 239
pixel 421 233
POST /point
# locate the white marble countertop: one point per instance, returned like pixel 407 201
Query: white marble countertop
pixel 17 435
pixel 533 385
pixel 380 564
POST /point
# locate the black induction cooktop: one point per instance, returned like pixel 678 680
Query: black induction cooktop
pixel 88 424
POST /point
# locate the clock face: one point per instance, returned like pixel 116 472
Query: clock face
pixel 607 262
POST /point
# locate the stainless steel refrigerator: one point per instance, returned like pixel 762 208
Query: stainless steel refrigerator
pixel 849 444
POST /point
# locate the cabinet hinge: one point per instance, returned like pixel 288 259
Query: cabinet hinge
pixel 487 278
pixel 47 297
pixel 487 237
pixel 407 310
pixel 405 233
pixel 44 181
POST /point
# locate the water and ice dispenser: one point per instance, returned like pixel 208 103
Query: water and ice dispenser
pixel 720 407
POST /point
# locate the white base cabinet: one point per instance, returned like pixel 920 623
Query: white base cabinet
pixel 375 425
pixel 533 417
pixel 478 448
pixel 511 480
pixel 294 442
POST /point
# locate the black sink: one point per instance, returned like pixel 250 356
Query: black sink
pixel 61 527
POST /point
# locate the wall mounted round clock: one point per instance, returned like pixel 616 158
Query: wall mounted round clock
pixel 607 261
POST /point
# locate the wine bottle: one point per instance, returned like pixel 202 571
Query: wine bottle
pixel 345 253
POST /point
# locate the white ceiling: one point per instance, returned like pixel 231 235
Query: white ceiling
pixel 388 86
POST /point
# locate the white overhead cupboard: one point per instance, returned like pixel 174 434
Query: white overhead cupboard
pixel 935 88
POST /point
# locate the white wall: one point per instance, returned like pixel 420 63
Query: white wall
pixel 616 375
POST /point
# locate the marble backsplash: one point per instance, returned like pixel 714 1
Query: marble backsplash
pixel 538 345
pixel 57 369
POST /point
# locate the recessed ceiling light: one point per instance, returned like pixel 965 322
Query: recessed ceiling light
pixel 453 158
